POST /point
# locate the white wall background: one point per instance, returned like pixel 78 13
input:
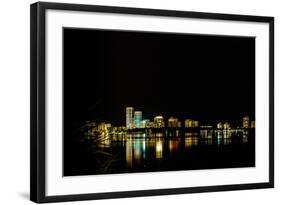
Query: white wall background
pixel 14 100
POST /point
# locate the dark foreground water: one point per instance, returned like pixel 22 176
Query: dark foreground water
pixel 205 149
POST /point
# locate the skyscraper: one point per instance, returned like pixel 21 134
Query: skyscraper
pixel 246 122
pixel 138 119
pixel 129 117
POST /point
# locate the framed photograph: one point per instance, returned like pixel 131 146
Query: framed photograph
pixel 129 102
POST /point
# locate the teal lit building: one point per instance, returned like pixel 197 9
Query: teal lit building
pixel 137 119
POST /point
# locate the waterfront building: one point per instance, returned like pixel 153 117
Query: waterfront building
pixel 103 128
pixel 144 123
pixel 219 125
pixel 149 124
pixel 173 122
pixel 246 122
pixel 108 126
pixel 188 123
pixel 159 122
pixel 226 126
pixel 191 123
pixel 129 117
pixel 137 119
pixel 253 124
pixel 195 123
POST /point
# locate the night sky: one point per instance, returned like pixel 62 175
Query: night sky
pixel 209 78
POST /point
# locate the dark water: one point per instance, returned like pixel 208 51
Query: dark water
pixel 204 149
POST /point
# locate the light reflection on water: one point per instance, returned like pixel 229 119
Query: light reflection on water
pixel 139 146
pixel 159 149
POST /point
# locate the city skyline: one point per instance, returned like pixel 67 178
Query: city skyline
pixel 173 121
pixel 134 121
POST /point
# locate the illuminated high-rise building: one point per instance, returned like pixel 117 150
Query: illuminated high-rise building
pixel 129 117
pixel 159 122
pixel 246 122
pixel 137 119
pixel 173 122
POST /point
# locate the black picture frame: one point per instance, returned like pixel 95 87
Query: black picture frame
pixel 38 101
